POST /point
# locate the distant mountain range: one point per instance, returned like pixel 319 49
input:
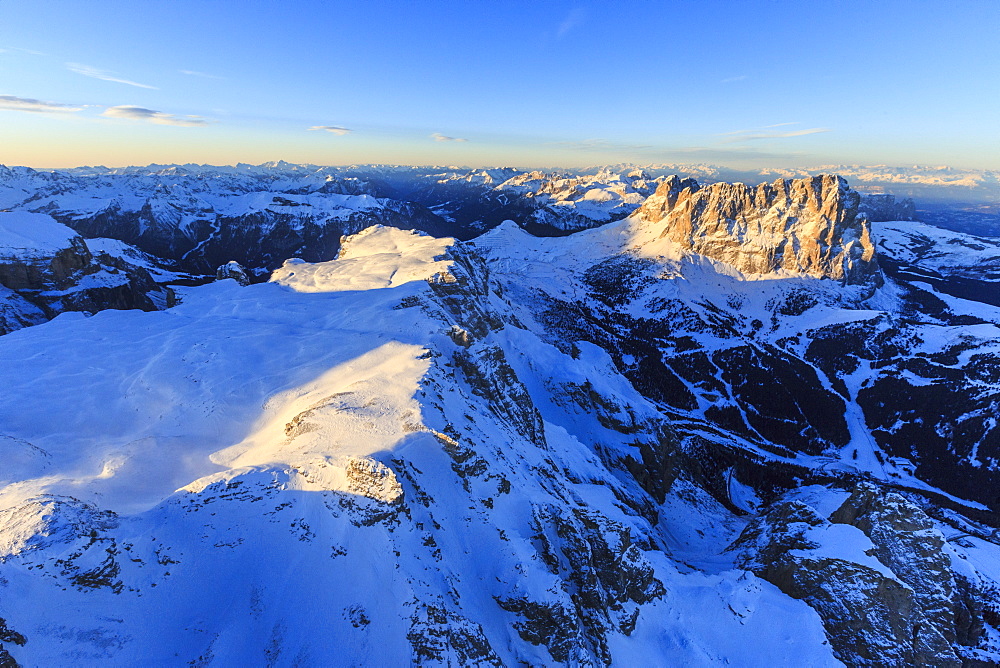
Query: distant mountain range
pixel 201 217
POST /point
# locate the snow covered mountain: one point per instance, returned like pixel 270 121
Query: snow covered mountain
pixel 638 444
pixel 201 217
pixel 47 269
pixel 205 216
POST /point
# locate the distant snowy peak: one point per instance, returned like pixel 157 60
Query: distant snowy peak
pixel 201 216
pixel 956 264
pixel 482 177
pixel 578 201
pixel 803 226
pixel 931 186
pixel 917 175
pixel 934 248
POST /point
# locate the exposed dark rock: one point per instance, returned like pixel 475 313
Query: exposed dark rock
pixel 490 376
pixel 886 207
pixel 604 572
pixel 441 637
pixel 907 541
pixel 38 285
pixel 871 617
pixel 233 270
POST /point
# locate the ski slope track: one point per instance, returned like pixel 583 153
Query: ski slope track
pixel 637 444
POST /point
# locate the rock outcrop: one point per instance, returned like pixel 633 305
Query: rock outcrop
pixel 233 270
pixel 47 269
pixel 907 541
pixel 806 226
pixel 888 597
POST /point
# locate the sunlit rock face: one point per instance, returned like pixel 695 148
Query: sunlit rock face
pixel 804 226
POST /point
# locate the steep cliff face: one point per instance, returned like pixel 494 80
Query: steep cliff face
pixel 813 385
pixel 804 226
pixel 47 269
pixel 426 483
pixel 886 593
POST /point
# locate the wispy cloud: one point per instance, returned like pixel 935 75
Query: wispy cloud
pixel 104 75
pixel 437 136
pixel 574 19
pixel 203 75
pixel 9 49
pixel 333 129
pixel 12 103
pixel 766 132
pixel 741 77
pixel 131 113
pixel 764 127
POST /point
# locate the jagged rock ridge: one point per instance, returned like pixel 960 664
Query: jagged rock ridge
pixel 805 226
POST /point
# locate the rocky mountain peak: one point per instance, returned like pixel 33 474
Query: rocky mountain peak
pixel 804 226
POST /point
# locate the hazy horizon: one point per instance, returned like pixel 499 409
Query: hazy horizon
pixel 521 168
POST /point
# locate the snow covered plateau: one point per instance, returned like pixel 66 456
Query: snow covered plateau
pixel 294 416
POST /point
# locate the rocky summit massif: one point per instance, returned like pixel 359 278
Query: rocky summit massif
pixel 808 226
pixel 716 424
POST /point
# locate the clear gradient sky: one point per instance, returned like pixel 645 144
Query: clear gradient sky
pixel 481 82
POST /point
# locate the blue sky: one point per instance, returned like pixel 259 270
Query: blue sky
pixel 739 83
